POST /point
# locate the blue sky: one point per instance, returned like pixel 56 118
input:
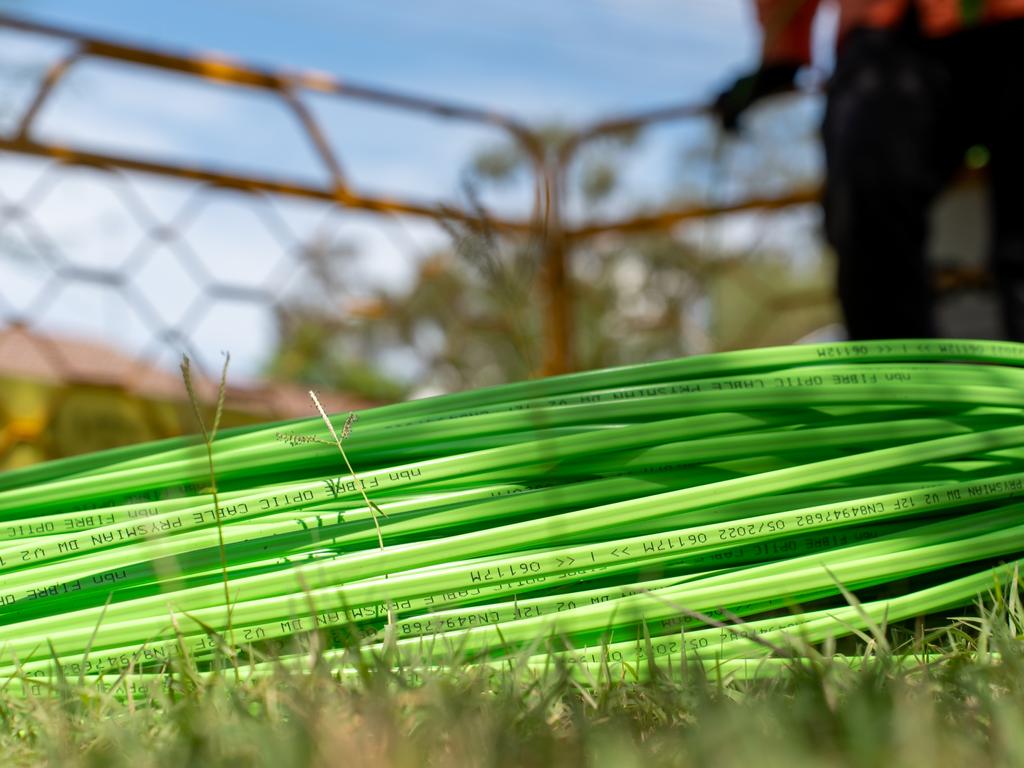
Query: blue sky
pixel 569 62
pixel 570 59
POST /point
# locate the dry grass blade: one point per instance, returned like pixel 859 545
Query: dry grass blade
pixel 209 435
pixel 346 431
pixel 749 634
pixel 877 632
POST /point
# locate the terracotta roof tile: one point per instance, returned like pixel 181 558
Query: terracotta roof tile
pixel 54 359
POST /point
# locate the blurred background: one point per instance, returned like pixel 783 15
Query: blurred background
pixel 391 200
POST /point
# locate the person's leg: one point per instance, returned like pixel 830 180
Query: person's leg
pixel 1005 90
pixel 889 149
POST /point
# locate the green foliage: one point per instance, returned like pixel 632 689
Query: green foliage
pixel 472 315
pixel 497 164
pixel 315 354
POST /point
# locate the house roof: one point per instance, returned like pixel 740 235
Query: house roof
pixel 59 360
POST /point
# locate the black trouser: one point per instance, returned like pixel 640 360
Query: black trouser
pixel 901 113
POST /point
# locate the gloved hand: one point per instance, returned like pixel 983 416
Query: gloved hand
pixel 769 79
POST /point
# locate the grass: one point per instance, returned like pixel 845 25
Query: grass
pixel 935 691
pixel 964 706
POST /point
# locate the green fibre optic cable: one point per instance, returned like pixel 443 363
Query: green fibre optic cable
pixel 361 442
pixel 703 366
pixel 733 642
pixel 889 556
pixel 186 573
pixel 74 577
pixel 725 364
pixel 996 488
pixel 187 576
pixel 435 624
pixel 142 686
pixel 371 563
pixel 721 481
pixel 534 452
pixel 865 561
pixel 810 627
pixel 197 646
pixel 932 388
pixel 931 549
pixel 529 416
pixel 320 529
pixel 109 566
pixel 296 495
pixel 196 643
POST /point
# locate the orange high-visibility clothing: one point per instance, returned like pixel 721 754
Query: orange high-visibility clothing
pixel 787 23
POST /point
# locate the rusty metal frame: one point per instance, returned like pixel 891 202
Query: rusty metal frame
pixel 549 165
pixel 288 86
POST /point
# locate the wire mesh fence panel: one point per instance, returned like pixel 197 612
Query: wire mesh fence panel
pixel 156 204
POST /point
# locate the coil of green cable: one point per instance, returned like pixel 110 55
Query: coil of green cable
pixel 568 515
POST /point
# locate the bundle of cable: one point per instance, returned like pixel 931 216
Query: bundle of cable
pixel 697 507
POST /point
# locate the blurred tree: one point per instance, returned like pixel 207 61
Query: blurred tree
pixel 471 317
